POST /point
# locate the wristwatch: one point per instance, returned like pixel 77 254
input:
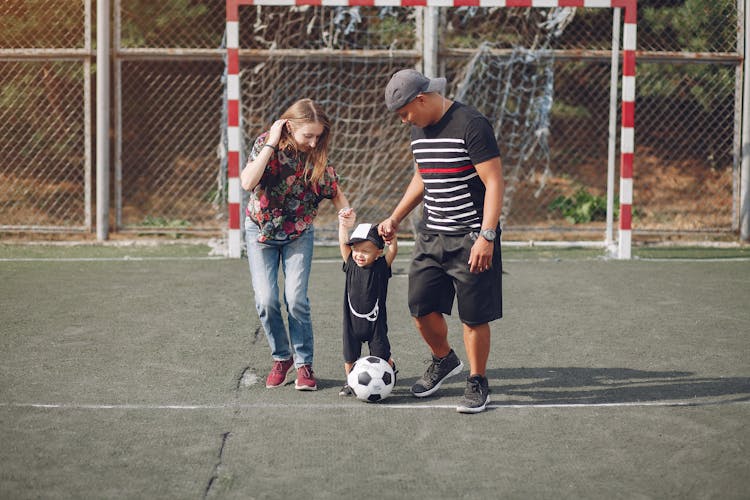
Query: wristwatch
pixel 488 234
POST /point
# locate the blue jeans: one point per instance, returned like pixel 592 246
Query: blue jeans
pixel 295 257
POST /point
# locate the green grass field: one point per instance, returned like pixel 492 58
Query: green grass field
pixel 137 372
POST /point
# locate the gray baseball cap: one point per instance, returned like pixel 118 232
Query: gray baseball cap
pixel 406 84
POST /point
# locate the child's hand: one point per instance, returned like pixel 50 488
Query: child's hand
pixel 347 217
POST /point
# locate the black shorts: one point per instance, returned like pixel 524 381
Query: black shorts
pixel 440 271
pixel 378 345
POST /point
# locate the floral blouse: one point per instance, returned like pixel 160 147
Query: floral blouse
pixel 283 204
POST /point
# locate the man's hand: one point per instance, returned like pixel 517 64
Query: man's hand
pixel 480 259
pixel 387 229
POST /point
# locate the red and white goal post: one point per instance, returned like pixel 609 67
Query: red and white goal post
pixel 627 135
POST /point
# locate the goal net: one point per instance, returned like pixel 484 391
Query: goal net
pixel 515 91
pixel 343 56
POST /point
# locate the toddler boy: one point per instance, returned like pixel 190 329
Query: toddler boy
pixel 367 274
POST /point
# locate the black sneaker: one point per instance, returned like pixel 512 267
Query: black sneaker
pixel 346 391
pixel 437 372
pixel 476 395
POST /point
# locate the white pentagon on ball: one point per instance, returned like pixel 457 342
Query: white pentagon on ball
pixel 371 378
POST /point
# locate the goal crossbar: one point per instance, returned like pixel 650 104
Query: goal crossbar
pixel 627 136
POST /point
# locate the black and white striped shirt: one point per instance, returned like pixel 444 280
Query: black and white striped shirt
pixel 445 154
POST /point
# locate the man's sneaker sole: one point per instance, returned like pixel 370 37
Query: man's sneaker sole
pixel 432 391
pixel 473 409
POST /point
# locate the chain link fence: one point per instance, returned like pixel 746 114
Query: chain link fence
pixel 45 128
pixel 687 118
pixel 168 157
pixel 168 112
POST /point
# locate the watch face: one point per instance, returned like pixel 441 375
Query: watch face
pixel 488 234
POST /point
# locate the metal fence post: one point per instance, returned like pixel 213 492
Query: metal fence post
pixel 87 109
pixel 102 120
pixel 745 170
pixel 430 46
pixel 612 151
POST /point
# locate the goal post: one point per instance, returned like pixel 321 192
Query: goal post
pixel 234 134
pixel 233 109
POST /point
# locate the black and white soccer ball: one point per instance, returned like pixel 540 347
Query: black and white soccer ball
pixel 371 378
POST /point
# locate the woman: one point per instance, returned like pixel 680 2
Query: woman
pixel 288 174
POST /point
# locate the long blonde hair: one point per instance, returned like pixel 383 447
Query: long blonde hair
pixel 302 112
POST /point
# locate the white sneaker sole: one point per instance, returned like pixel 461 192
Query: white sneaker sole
pixel 432 391
pixel 469 409
pixel 305 387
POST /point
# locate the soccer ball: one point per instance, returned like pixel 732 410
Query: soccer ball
pixel 371 378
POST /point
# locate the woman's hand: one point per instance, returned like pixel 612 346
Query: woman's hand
pixel 274 134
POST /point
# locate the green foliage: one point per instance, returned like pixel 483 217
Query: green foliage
pixel 696 25
pixel 41 23
pixel 391 32
pixel 151 221
pixel 171 227
pixel 699 83
pixel 147 23
pixel 211 196
pixel 561 109
pixel 692 26
pixel 582 207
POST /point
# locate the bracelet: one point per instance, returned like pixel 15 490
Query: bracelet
pixel 275 148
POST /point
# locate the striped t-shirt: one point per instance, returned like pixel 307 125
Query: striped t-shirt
pixel 446 153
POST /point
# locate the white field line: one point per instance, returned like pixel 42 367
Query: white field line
pixel 323 406
pixel 712 259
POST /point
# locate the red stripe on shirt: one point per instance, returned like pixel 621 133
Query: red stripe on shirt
pixel 445 170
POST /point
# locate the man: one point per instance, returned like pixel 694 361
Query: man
pixel 459 178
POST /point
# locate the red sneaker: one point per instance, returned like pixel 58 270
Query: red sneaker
pixel 305 379
pixel 277 376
